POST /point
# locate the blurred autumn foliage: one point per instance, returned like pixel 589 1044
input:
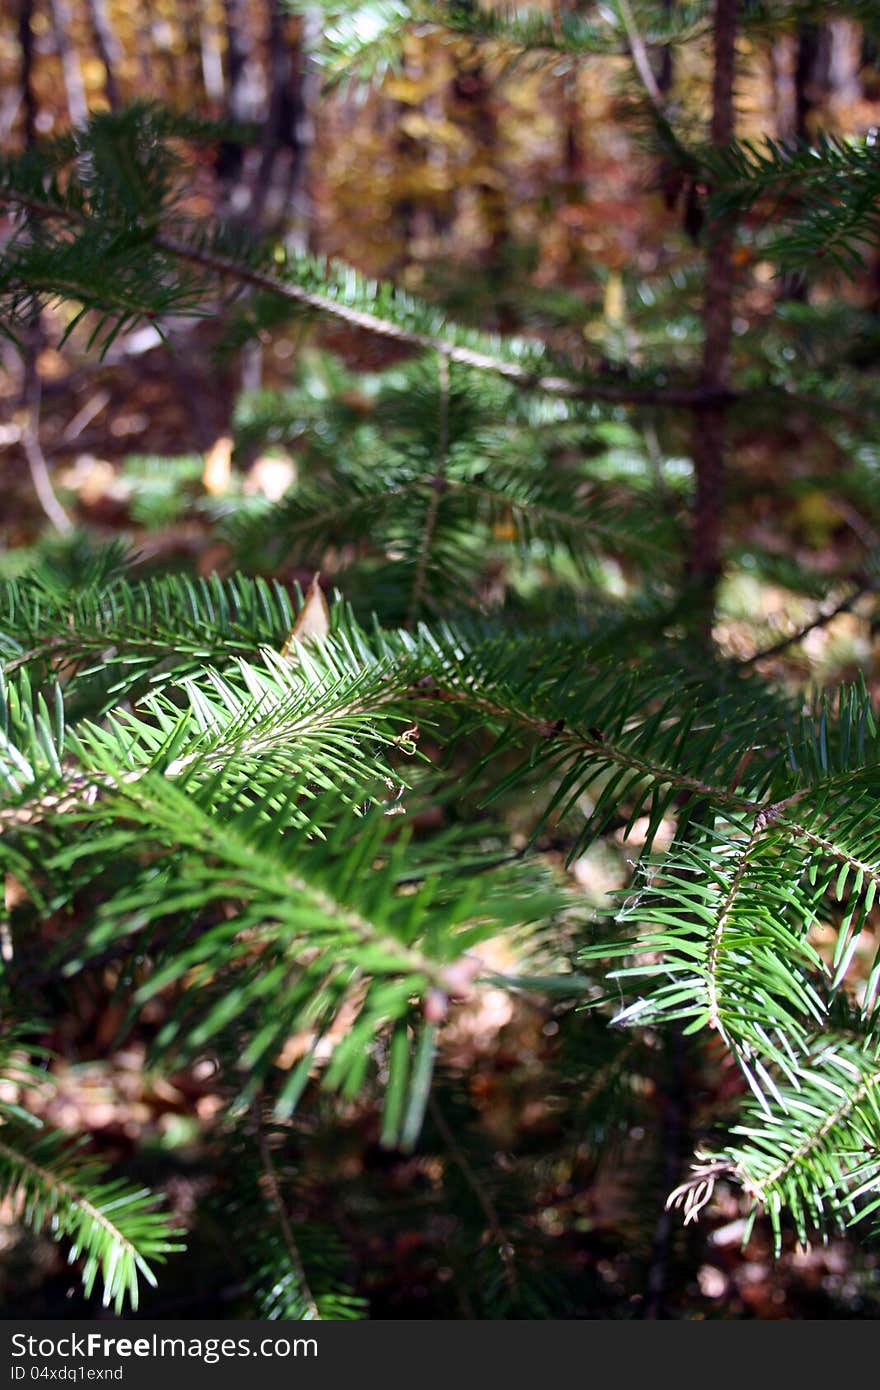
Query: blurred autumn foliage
pixel 521 193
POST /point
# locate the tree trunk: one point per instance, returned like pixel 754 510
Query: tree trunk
pixel 664 64
pixel 241 106
pixel 26 48
pixel 77 103
pixel 709 416
pixel 211 59
pixel 475 103
pixel 109 50
pixel 281 184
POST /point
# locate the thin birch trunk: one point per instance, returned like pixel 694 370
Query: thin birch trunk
pixel 108 46
pixel 77 102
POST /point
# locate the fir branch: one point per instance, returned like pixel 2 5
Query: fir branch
pixel 807 1156
pixel 111 1224
pixel 129 298
pixel 362 39
pixel 595 747
pixel 716 939
pixel 826 192
pixel 524 377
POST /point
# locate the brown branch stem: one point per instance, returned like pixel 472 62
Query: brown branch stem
pixel 552 384
pixel 487 1206
pixel 845 605
pixel 293 1252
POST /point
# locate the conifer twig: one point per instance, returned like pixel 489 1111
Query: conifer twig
pixel 845 605
pixel 526 378
pixel 550 384
pixel 641 62
pixel 270 1173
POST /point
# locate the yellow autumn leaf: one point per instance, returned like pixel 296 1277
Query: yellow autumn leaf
pixel 312 623
pixel 615 303
pixel 418 126
pixel 218 466
pixel 408 90
pixel 817 516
